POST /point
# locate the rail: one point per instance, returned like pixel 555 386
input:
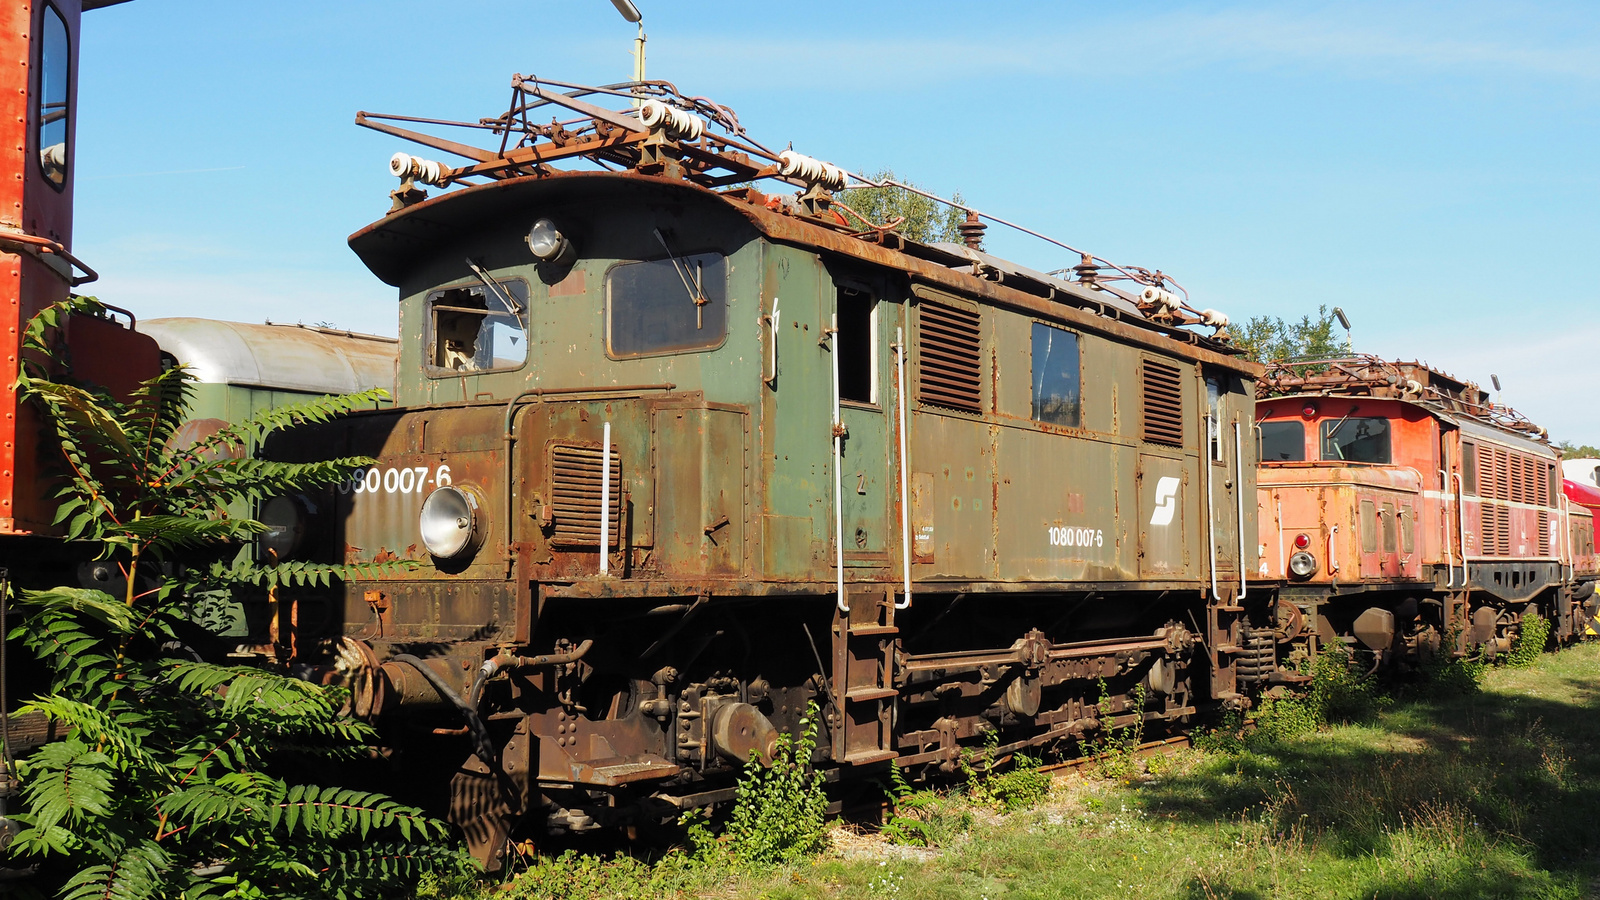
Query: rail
pixel 37 246
pixel 905 466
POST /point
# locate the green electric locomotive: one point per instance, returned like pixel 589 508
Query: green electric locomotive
pixel 674 459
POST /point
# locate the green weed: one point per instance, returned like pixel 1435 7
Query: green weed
pixel 1532 637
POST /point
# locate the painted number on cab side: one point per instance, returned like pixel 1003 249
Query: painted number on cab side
pixel 410 480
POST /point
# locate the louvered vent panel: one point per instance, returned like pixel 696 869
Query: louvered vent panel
pixel 1518 482
pixel 1486 530
pixel 1502 476
pixel 575 496
pixel 1162 401
pixel 950 358
pixel 1502 531
pixel 1544 534
pixel 1545 474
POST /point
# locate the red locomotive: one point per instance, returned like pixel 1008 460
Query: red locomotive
pixel 1398 507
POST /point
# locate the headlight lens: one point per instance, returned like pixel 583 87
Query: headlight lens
pixel 286 519
pixel 1302 564
pixel 548 243
pixel 451 522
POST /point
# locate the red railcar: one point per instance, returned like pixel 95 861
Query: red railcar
pixel 37 130
pixel 1398 508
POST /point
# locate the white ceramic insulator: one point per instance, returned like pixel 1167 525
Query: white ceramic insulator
pixel 812 171
pixel 679 124
pixel 1164 301
pixel 1213 318
pixel 427 171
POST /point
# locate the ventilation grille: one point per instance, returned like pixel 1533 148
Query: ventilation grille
pixel 575 496
pixel 950 358
pixel 1544 534
pixel 1488 536
pixel 1502 531
pixel 1162 422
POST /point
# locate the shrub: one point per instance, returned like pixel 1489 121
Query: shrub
pixel 1532 636
pixel 779 811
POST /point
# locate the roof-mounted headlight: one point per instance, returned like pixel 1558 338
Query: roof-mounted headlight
pixel 549 245
pixel 452 522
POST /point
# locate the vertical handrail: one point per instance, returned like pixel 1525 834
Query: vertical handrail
pixel 905 467
pixel 772 322
pixel 838 475
pixel 605 500
pixel 1211 519
pixel 1461 526
pixel 1333 553
pixel 1283 552
pixel 1238 495
pixel 1449 540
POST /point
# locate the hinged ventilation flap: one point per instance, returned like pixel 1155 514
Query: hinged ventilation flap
pixel 575 495
pixel 1161 404
pixel 949 357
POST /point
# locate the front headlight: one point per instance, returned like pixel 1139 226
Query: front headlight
pixel 1302 564
pixel 287 520
pixel 451 522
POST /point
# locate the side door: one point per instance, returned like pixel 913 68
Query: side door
pixel 866 397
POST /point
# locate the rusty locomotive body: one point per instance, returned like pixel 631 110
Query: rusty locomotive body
pixel 1402 511
pixel 671 463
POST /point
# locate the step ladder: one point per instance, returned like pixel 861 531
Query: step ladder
pixel 864 644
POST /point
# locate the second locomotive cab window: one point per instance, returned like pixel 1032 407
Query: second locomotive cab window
pixel 479 330
pixel 671 305
pixel 1057 378
pixel 53 114
pixel 1356 439
pixel 1283 442
pixel 857 345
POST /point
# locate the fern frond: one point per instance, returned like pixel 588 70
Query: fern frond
pixel 137 874
pixel 257 427
pixel 333 812
pixel 66 781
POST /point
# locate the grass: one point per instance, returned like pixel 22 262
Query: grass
pixel 1494 793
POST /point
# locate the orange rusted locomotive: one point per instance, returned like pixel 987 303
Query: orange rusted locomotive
pixel 1401 511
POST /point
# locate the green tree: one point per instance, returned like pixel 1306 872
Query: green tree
pixel 176 776
pixel 923 220
pixel 1269 338
pixel 1584 451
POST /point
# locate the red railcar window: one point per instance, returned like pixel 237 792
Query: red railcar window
pixel 1362 439
pixel 53 114
pixel 1283 442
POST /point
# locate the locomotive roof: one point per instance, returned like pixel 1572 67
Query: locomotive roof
pixel 1362 375
pixel 666 137
pixel 408 238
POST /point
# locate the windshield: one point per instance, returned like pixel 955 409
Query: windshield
pixel 1353 439
pixel 1283 442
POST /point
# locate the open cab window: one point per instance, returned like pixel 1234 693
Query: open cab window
pixel 479 330
pixel 53 114
pixel 857 345
pixel 673 305
pixel 1356 439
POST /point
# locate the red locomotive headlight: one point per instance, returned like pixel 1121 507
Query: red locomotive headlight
pixel 1302 541
pixel 1308 411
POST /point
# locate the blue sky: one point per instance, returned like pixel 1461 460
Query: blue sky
pixel 1430 168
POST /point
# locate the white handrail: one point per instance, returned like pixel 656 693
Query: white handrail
pixel 1449 541
pixel 605 500
pixel 1238 495
pixel 773 320
pixel 1283 552
pixel 1461 526
pixel 905 468
pixel 1211 523
pixel 838 476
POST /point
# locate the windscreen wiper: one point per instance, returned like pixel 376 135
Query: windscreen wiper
pixel 696 291
pixel 500 292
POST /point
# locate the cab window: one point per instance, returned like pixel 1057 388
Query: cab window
pixel 479 329
pixel 1353 439
pixel 53 115
pixel 672 305
pixel 1283 442
pixel 1056 376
